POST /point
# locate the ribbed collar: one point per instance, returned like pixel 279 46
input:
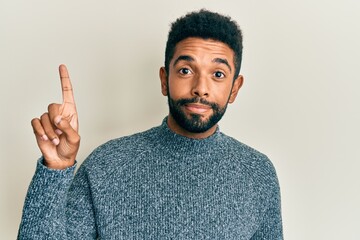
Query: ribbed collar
pixel 179 143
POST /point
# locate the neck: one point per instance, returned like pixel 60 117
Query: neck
pixel 175 127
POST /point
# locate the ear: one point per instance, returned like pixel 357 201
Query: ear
pixel 238 82
pixel 164 81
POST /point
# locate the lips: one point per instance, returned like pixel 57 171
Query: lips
pixel 197 108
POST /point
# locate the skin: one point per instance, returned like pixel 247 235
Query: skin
pixel 204 69
pixel 199 68
pixel 56 131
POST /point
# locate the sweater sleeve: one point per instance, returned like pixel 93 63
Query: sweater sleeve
pixel 271 225
pixel 49 202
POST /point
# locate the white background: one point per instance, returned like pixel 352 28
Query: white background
pixel 299 103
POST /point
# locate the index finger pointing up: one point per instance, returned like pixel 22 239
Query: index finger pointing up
pixel 67 92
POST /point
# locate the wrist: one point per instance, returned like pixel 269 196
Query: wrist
pixel 58 164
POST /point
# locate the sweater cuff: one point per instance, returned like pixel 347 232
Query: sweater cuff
pixel 44 170
pixel 48 185
pixel 46 195
pixel 50 180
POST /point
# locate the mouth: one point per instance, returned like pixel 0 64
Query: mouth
pixel 197 108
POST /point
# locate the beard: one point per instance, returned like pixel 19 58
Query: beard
pixel 194 123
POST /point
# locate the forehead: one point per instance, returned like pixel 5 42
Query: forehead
pixel 199 48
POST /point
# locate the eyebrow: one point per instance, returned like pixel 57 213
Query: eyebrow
pixel 191 59
pixel 183 58
pixel 223 61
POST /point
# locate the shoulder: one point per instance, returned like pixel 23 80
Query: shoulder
pixel 238 148
pixel 250 161
pixel 122 148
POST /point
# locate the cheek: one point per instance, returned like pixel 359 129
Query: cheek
pixel 221 94
pixel 178 89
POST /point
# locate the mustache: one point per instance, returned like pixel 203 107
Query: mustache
pixel 184 101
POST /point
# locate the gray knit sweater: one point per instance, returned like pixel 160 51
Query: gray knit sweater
pixel 157 185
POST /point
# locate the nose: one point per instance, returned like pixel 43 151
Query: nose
pixel 200 87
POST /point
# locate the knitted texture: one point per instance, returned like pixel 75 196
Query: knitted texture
pixel 157 185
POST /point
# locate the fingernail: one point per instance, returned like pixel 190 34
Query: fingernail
pixel 55 141
pixel 44 137
pixel 58 131
pixel 57 120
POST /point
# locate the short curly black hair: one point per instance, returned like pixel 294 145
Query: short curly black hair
pixel 207 25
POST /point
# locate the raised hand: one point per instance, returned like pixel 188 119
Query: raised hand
pixel 56 130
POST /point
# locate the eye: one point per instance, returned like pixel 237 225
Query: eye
pixel 184 71
pixel 219 74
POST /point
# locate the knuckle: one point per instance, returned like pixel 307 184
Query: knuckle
pixel 34 121
pixel 43 116
pixel 52 106
pixel 51 135
pixel 75 139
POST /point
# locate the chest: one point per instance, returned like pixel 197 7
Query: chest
pixel 165 201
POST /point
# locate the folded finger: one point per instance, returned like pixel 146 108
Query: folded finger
pixel 54 109
pixel 38 129
pixel 64 126
pixel 49 129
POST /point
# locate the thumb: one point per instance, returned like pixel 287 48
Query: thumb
pixel 64 126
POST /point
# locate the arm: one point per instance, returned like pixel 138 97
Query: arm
pixel 271 225
pixel 44 207
pixel 56 132
pixel 58 206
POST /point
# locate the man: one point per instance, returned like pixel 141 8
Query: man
pixel 181 180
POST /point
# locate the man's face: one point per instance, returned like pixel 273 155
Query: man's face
pixel 199 85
